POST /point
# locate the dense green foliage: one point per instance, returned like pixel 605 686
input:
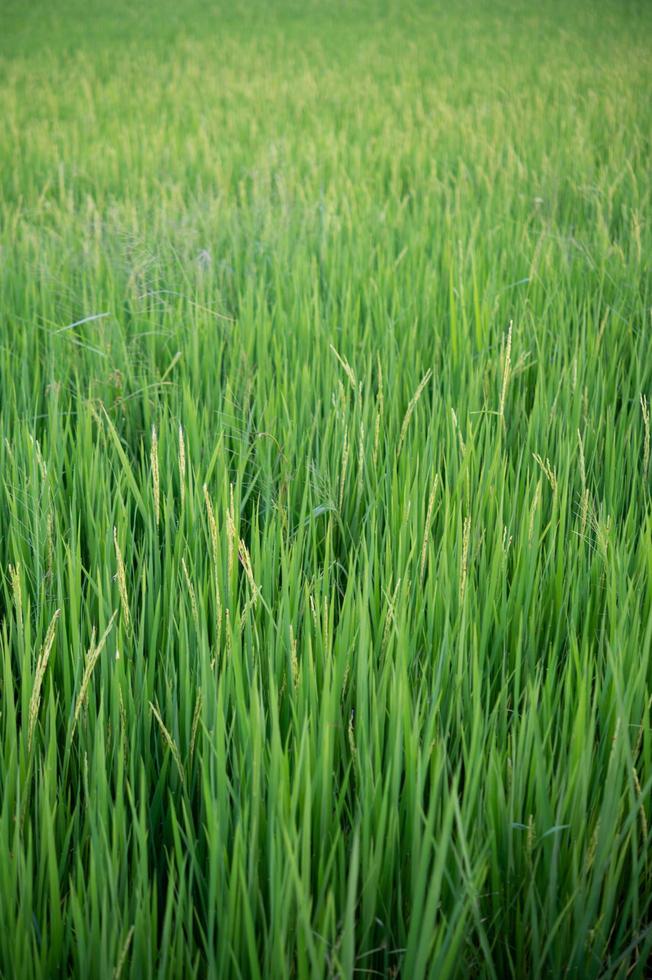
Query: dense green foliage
pixel 325 513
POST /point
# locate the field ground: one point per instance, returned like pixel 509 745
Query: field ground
pixel 325 511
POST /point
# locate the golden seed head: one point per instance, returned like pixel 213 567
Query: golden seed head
pixel 182 465
pixel 466 534
pixel 645 408
pixel 41 667
pixel 411 407
pixel 122 580
pixel 345 463
pixel 426 530
pixel 17 592
pixel 155 476
pixel 92 657
pixel 506 372
pixel 347 368
pixel 172 745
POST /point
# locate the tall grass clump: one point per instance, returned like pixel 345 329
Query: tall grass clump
pixel 325 501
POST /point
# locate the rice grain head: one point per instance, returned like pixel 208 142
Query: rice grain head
pixel 533 510
pixel 41 667
pixel 411 407
pixel 347 368
pixel 645 408
pixel 458 432
pixel 506 373
pixel 548 470
pixel 156 485
pixel 17 593
pixel 191 593
pixel 171 744
pixel 345 463
pixel 361 458
pixel 92 657
pixel 294 663
pixel 122 580
pixel 182 466
pixel 466 535
pixel 117 973
pixel 426 530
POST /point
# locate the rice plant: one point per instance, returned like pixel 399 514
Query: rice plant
pixel 325 499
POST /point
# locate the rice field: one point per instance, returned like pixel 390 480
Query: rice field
pixel 325 489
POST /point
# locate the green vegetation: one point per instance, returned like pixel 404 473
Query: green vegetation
pixel 325 500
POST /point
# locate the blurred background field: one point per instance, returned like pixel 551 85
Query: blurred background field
pixel 325 515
